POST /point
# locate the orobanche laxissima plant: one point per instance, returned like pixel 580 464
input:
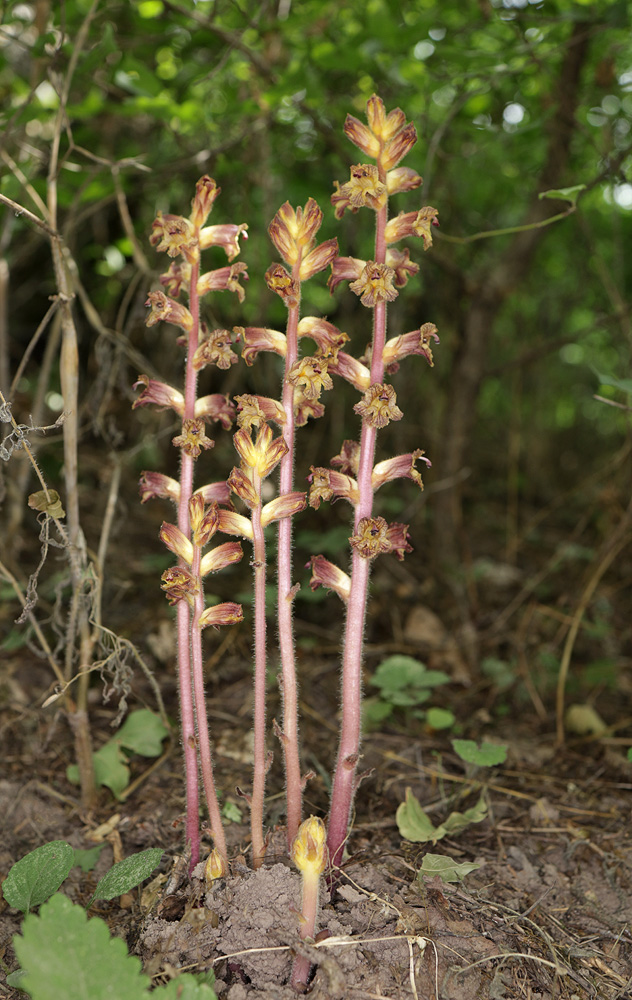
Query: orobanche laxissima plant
pixel 352 474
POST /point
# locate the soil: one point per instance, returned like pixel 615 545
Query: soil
pixel 548 912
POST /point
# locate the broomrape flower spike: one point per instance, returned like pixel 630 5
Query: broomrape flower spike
pixel 353 475
pixel 183 240
pixel 386 139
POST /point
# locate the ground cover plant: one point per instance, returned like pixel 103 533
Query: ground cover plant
pixel 494 657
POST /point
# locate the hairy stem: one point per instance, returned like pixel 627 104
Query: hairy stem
pixel 289 736
pixel 344 783
pixel 260 763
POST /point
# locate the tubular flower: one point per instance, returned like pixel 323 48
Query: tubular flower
pixel 328 338
pixel 177 277
pixel 252 411
pixel 413 224
pixel 193 438
pixel 379 405
pixel 397 536
pixel 318 259
pixel 258 338
pixel 205 524
pixel 400 467
pixel 403 266
pixel 241 484
pixel 375 284
pixel 384 126
pixel 215 349
pixel 175 235
pixel 224 279
pixel 310 375
pixel 179 585
pixel 305 408
pixel 206 192
pixel 309 850
pixel 215 492
pixel 154 484
pixel 326 574
pixel 328 483
pixel 220 557
pixel 232 523
pixel 177 542
pixel 349 368
pixel 364 189
pixel 371 538
pixel 216 407
pixel 263 454
pixel 285 506
pixel 158 394
pixel 415 342
pixel 278 280
pixel 362 137
pixel 222 614
pixel 292 230
pixel 398 147
pixel 345 269
pixel 225 236
pixel 168 310
pixel 349 457
pixel 402 179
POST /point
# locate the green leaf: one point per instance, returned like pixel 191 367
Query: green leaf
pixel 414 824
pixel 412 821
pixel 456 821
pixel 66 955
pixel 143 733
pixel 185 987
pixel 629 753
pixel 127 874
pixel 487 755
pixel 440 718
pixel 447 869
pixel 625 384
pixel 16 979
pixel 570 194
pixel 86 860
pixel 110 768
pixel 38 875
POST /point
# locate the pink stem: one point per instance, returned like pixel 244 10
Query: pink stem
pixel 204 745
pixel 344 783
pixel 187 707
pixel 260 763
pixel 289 736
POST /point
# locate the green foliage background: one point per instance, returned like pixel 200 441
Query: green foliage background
pixel 255 93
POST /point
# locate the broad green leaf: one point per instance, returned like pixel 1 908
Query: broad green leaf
pixel 185 987
pixel 110 768
pixel 127 874
pixel 86 860
pixel 564 194
pixel 66 955
pixel 16 979
pixel 447 869
pixel 487 755
pixel 440 718
pixel 142 732
pixel 625 384
pixel 38 875
pixel 412 821
pixel 457 821
pixel 629 753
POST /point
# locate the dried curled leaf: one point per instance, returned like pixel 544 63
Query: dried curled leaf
pixel 47 503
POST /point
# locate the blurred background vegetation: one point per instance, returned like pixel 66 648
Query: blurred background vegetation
pixel 510 98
